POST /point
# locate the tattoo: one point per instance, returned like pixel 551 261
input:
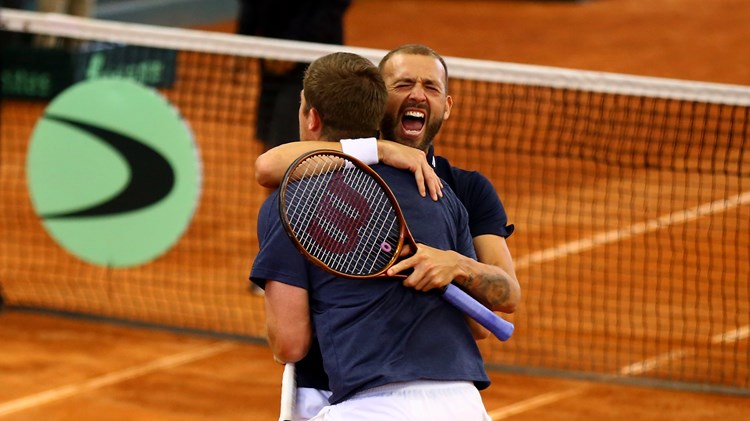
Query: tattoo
pixel 469 283
pixel 493 289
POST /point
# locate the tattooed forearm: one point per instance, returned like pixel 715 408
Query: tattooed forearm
pixel 492 289
pixel 489 284
pixel 468 284
pixel 499 289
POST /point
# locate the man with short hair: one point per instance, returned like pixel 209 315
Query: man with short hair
pixel 391 352
pixel 418 102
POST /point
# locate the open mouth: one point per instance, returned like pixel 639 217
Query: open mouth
pixel 412 122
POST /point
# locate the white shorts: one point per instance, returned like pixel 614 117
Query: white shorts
pixel 411 401
pixel 309 402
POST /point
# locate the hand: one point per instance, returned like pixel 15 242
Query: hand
pixel 431 268
pixel 407 158
pixel 278 67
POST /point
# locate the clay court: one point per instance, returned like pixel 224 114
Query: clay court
pixel 57 367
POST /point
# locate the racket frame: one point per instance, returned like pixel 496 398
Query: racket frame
pixel 404 233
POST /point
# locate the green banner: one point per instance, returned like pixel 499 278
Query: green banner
pixel 113 172
pixel 40 73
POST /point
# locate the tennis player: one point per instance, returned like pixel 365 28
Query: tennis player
pixel 417 81
pixel 390 352
pixel 417 78
pixel 418 102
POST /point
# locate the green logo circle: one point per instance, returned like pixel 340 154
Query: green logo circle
pixel 113 172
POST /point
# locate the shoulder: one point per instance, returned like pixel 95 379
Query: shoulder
pixel 470 186
pixel 477 193
pixel 391 175
pixel 445 170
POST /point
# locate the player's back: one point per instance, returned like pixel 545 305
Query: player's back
pixel 440 224
pixel 375 332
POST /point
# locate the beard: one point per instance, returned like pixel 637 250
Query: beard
pixel 391 125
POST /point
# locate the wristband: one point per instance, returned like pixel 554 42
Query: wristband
pixel 365 149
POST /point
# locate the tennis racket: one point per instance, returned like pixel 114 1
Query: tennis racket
pixel 288 392
pixel 343 217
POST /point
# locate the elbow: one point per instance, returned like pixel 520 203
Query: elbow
pixel 291 350
pixel 264 172
pixel 289 345
pixel 289 355
pixel 511 299
pixel 514 299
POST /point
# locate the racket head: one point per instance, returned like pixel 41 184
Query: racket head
pixel 341 214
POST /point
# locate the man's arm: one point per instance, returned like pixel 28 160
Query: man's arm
pixel 489 283
pixel 288 323
pixel 271 165
pixel 503 290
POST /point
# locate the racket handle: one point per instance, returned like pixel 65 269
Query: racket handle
pixel 499 327
pixel 288 392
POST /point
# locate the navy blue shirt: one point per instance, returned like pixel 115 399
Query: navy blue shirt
pixel 476 192
pixel 376 332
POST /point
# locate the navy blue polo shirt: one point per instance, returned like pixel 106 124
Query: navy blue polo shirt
pixel 478 195
pixel 376 332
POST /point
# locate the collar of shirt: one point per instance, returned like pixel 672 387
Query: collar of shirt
pixel 431 156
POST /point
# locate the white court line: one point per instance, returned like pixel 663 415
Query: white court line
pixel 732 336
pixel 651 363
pixel 112 378
pixel 726 337
pixel 607 237
pixel 629 370
pixel 533 403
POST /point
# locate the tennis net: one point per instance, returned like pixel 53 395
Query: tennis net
pixel 630 196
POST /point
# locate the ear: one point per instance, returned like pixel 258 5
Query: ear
pixel 314 124
pixel 448 106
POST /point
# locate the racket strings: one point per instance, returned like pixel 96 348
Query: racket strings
pixel 303 197
pixel 326 204
pixel 300 200
pixel 369 255
pixel 377 234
